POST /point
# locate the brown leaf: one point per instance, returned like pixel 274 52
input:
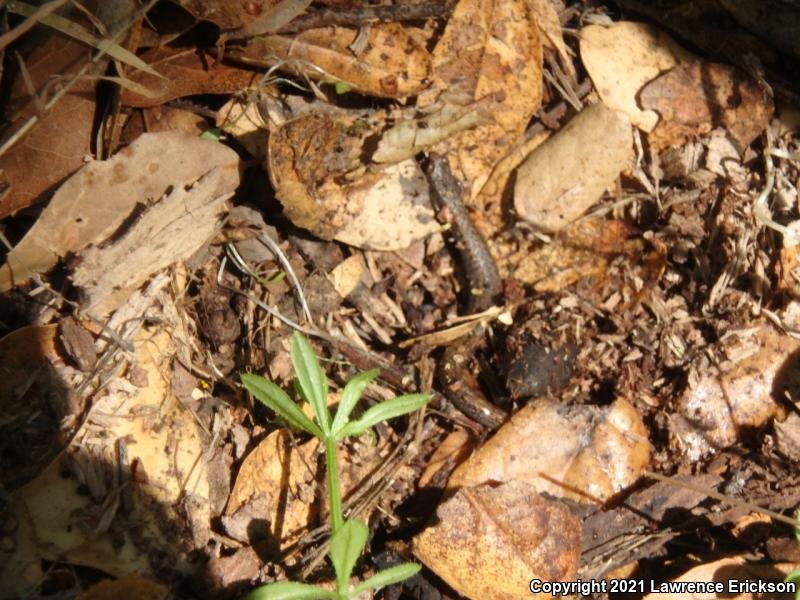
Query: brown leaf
pixel 185 73
pixel 742 396
pixel 489 541
pixel 392 65
pixel 92 204
pixel 583 453
pixel 583 250
pixel 58 143
pixel 132 586
pixel 490 52
pixel 694 98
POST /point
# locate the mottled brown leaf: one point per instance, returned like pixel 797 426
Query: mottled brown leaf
pixel 489 541
pixel 694 98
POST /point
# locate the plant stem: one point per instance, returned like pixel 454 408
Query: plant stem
pixel 334 491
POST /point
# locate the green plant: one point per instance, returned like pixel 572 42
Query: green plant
pixel 794 575
pixel 348 538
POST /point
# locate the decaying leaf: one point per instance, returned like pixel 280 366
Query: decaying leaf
pixel 693 98
pixel 563 177
pixel 623 57
pixel 244 121
pixel 489 541
pixel 183 74
pixel 583 250
pixel 58 143
pixel 167 232
pixel 392 65
pixel 171 459
pixel 584 453
pixel 96 201
pixel 490 53
pixel 226 14
pixel 725 404
pixel 316 170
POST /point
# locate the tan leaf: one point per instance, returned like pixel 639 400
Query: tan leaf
pixel 184 74
pixel 392 65
pixel 622 58
pixel 491 53
pixel 584 453
pixel 489 541
pixel 550 25
pixel 453 450
pixel 694 98
pixel 742 396
pixel 97 200
pixel 167 232
pixel 315 166
pixel 563 177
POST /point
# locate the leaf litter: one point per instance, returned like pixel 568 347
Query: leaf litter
pixel 638 199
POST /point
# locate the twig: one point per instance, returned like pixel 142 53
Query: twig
pixel 722 497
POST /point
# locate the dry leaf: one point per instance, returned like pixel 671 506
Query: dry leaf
pixel 174 483
pixel 489 53
pixel 168 232
pixel 21 571
pixel 409 137
pixel 694 98
pixel 731 574
pixel 96 201
pixel 244 121
pixel 392 65
pixel 622 58
pixel 724 405
pixel 132 586
pixel 275 483
pixel 315 165
pixel 183 74
pixel 58 143
pixel 452 451
pixel 547 19
pixel 584 453
pixel 583 250
pixel 563 177
pixel 349 274
pixel 489 541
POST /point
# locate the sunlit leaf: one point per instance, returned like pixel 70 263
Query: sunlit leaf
pixel 387 577
pixel 350 396
pixel 384 411
pixel 289 590
pixel 275 398
pixel 311 379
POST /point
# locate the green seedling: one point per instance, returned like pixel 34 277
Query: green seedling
pixel 794 574
pixel 348 538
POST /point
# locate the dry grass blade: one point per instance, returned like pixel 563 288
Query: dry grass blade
pixel 29 23
pixel 74 30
